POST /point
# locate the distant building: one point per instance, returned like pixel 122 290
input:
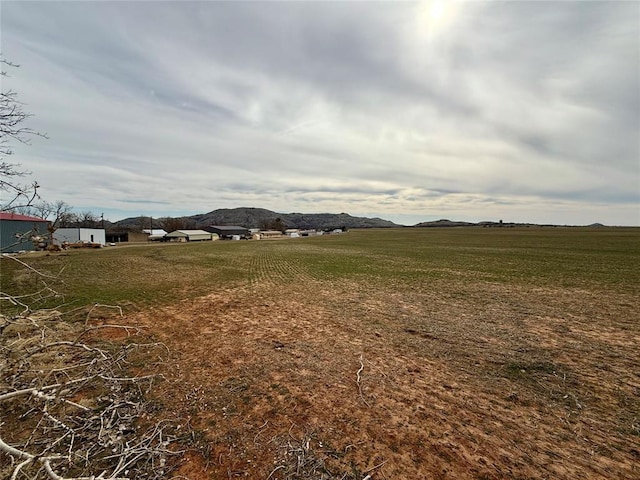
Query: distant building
pixel 154 231
pixel 228 231
pixel 270 234
pixel 125 236
pixel 310 233
pixel 80 235
pixel 117 236
pixel 190 236
pixel 18 231
pixel 154 234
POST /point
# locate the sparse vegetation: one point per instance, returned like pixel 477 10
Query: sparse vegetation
pixel 408 353
pixel 152 274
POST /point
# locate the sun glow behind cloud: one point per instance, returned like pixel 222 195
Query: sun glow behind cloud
pixel 475 109
pixel 435 17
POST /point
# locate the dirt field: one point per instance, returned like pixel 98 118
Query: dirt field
pixel 294 377
pixel 457 354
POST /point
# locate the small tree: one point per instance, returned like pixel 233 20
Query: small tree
pixel 274 224
pixel 171 224
pixel 87 219
pixel 144 223
pixel 58 213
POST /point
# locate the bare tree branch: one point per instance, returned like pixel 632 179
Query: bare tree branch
pixel 88 418
pixel 12 129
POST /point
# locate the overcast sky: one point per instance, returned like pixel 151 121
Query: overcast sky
pixel 408 111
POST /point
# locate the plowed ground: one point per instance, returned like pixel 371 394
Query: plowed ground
pixel 290 375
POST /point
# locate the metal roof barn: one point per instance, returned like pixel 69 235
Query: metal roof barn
pixel 17 230
pixel 190 236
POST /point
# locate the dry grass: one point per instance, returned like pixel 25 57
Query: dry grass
pixel 499 382
pixel 496 355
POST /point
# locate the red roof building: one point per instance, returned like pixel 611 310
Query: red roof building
pixel 17 231
pixel 20 218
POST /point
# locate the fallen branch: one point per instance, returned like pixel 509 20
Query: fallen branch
pixel 67 343
pixel 358 379
pixel 275 470
pixel 70 408
pixel 92 412
pixel 368 472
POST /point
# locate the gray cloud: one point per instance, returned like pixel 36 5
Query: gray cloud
pixel 392 109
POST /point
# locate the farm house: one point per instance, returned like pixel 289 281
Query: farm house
pixel 16 231
pixel 190 236
pixel 80 235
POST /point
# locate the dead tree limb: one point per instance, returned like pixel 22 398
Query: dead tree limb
pixel 91 422
pixel 358 381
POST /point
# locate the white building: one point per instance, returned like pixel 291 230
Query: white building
pixel 79 235
pixel 155 233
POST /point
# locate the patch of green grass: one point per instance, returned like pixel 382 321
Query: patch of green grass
pixel 137 275
pixel 562 257
pixel 595 259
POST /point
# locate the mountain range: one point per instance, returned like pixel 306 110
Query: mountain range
pixel 260 217
pixel 250 217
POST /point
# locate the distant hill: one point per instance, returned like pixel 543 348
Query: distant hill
pixel 445 223
pixel 244 217
pixel 449 223
pixel 257 217
pixel 250 217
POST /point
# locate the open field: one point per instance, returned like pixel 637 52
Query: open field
pixel 412 353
